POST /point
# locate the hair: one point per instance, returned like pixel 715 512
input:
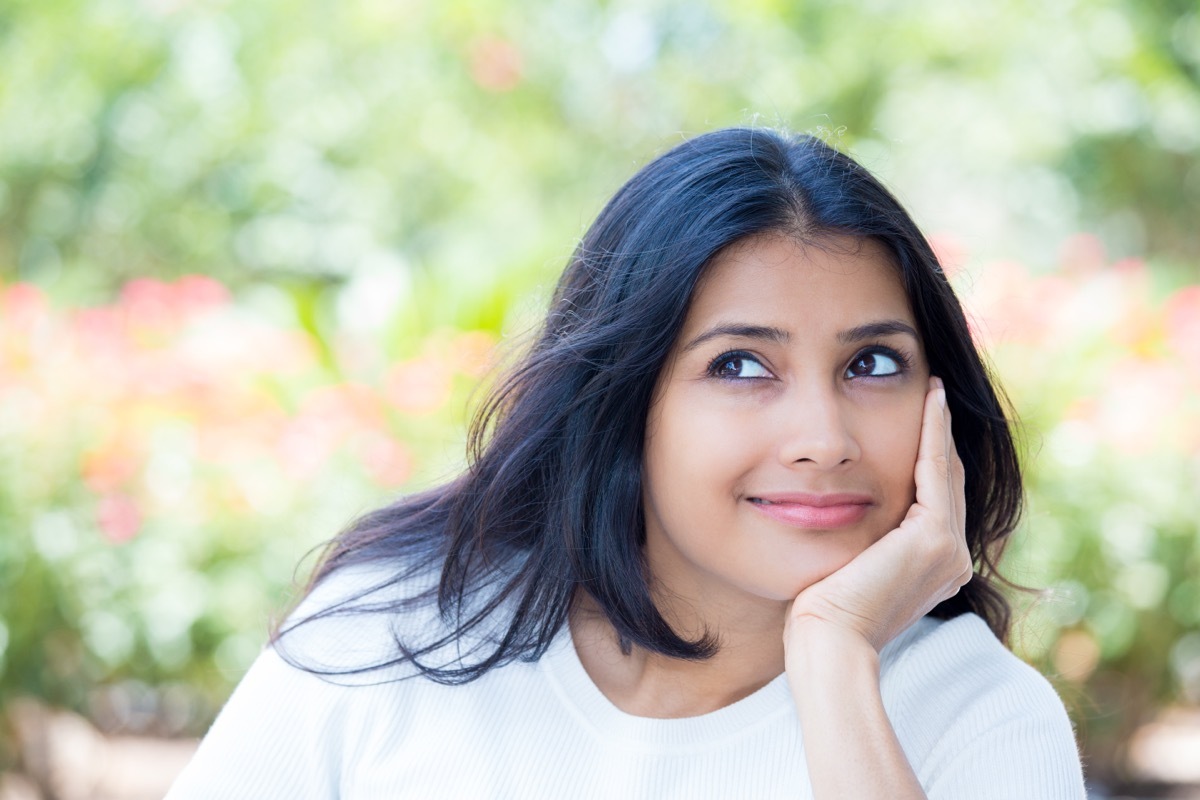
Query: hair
pixel 551 500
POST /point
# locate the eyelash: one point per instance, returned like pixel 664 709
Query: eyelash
pixel 903 362
pixel 715 365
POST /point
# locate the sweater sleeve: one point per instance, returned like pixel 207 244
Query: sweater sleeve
pixel 276 739
pixel 985 724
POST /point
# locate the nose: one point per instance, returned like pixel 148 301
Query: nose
pixel 815 424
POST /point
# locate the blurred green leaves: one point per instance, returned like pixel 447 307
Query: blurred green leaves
pixel 1103 365
pixel 259 140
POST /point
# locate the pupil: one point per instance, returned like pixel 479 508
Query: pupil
pixel 866 365
pixel 733 366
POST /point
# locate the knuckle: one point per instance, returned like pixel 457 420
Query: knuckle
pixel 942 464
pixel 939 548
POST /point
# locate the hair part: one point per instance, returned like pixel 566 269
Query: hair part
pixel 551 501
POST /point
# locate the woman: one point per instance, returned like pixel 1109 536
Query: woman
pixel 716 538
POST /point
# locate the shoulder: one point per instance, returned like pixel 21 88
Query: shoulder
pixel 959 664
pixel 314 701
pixel 971 713
pixel 960 657
pixel 352 620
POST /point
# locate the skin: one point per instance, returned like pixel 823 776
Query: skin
pixel 777 384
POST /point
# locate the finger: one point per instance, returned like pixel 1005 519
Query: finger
pixel 955 461
pixel 954 486
pixel 957 475
pixel 932 471
pixel 956 489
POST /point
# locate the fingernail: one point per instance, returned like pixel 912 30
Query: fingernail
pixel 941 396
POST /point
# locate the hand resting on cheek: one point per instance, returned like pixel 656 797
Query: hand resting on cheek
pixel 837 627
pixel 911 569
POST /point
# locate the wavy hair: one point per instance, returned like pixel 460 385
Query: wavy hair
pixel 551 501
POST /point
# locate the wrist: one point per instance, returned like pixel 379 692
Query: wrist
pixel 849 743
pixel 818 652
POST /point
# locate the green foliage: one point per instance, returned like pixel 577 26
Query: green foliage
pixel 259 140
pixel 1104 368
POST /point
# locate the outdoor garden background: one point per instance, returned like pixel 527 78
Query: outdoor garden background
pixel 255 256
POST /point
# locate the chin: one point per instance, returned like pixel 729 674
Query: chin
pixel 817 567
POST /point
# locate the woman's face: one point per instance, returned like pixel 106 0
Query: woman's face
pixel 783 432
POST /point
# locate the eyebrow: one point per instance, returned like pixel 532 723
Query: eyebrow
pixel 870 330
pixel 763 332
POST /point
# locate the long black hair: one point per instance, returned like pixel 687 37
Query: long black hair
pixel 551 501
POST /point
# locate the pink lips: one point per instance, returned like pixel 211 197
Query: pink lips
pixel 822 511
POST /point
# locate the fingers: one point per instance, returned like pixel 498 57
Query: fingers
pixel 941 480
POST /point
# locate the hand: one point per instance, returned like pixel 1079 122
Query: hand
pixel 901 577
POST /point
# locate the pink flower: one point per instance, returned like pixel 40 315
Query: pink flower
pixel 1005 305
pixel 199 293
pixel 22 305
pixel 419 386
pixel 1141 406
pixel 1082 254
pixel 495 64
pixel 474 353
pixel 387 460
pixel 327 418
pixel 950 251
pixel 1181 320
pixel 98 325
pixel 119 517
pixel 148 307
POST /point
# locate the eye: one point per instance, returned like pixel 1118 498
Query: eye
pixel 876 364
pixel 737 366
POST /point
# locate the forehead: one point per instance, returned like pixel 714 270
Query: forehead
pixel 837 283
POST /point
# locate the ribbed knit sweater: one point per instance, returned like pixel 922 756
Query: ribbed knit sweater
pixel 974 721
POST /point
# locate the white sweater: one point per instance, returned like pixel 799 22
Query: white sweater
pixel 974 720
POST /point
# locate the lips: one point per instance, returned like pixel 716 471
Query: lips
pixel 813 511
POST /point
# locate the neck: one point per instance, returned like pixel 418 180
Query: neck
pixel 647 684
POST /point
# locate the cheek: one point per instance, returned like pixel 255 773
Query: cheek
pixel 696 450
pixel 896 438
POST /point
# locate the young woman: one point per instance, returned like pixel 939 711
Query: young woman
pixel 716 538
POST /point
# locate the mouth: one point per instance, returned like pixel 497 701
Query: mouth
pixel 812 511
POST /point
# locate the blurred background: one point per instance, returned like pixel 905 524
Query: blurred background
pixel 254 257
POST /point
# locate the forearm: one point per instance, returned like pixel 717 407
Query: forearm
pixel 850 746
